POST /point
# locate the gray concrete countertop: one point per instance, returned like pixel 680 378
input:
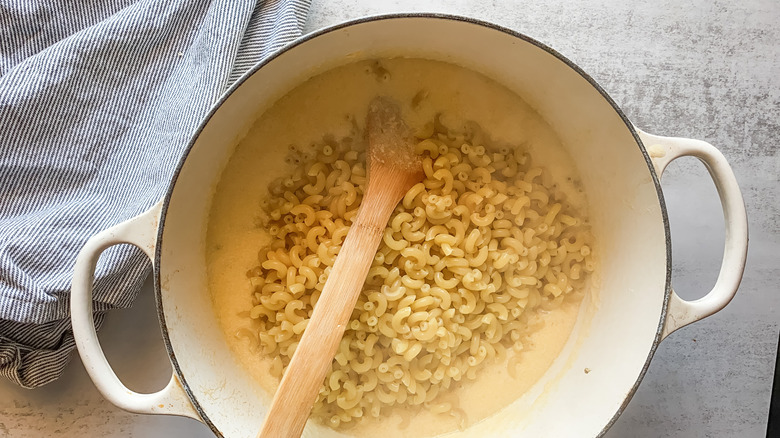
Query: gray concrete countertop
pixel 706 69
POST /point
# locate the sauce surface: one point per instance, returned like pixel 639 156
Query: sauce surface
pixel 334 104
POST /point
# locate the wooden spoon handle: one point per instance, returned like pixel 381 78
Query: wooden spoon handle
pixel 313 356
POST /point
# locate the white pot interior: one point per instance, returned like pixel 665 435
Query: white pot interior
pixel 618 324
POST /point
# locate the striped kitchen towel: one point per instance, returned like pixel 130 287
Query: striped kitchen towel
pixel 97 101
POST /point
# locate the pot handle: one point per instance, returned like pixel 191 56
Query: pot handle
pixel 664 150
pixel 140 231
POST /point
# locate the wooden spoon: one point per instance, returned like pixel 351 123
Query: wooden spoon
pixel 393 168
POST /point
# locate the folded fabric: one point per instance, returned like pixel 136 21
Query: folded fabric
pixel 97 102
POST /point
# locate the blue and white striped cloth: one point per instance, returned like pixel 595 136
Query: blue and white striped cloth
pixel 97 101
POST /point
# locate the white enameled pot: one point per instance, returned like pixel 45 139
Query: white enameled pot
pixel 619 327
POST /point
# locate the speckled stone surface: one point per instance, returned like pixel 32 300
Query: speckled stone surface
pixel 701 69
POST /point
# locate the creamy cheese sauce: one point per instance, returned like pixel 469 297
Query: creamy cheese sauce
pixel 334 103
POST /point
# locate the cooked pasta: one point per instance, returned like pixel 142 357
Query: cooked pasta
pixel 468 260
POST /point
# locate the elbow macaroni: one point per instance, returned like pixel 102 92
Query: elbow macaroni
pixel 469 257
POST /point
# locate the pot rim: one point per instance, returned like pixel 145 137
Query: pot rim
pixel 393 16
